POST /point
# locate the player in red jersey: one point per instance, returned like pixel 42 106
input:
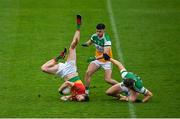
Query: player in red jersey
pixel 68 69
pixel 77 91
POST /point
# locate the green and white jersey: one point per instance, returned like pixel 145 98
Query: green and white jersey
pixel 138 85
pixel 102 42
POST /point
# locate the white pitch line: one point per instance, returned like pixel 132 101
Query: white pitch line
pixel 118 49
pixel 116 36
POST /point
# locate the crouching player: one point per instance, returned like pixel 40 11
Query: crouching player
pixel 67 70
pixel 131 85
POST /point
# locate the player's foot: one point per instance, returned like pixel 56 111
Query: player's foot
pixel 86 97
pixel 87 92
pixel 78 21
pixel 62 55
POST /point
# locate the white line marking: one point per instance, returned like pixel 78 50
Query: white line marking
pixel 114 29
pixel 118 49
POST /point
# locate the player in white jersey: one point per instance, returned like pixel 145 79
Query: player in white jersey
pixel 68 70
pixel 102 43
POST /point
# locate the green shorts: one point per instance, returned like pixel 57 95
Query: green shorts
pixel 74 79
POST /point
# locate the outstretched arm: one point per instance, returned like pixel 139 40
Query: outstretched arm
pixel 115 62
pixel 118 64
pixel 88 43
pixel 147 96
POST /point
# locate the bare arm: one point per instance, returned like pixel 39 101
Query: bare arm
pixel 65 84
pixel 88 43
pixel 71 84
pixel 147 96
pixel 118 64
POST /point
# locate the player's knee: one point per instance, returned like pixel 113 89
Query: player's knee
pixel 108 80
pixel 132 99
pixel 43 68
pixel 108 92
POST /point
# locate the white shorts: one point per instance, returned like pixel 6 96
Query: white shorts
pixel 126 90
pixel 104 65
pixel 66 68
pixel 123 87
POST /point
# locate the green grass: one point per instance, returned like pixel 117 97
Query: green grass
pixel 32 32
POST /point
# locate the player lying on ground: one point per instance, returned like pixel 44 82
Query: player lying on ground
pixel 67 70
pixel 77 91
pixel 131 85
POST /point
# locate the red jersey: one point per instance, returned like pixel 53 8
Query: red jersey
pixel 77 89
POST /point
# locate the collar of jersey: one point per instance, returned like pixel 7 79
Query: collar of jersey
pixel 101 37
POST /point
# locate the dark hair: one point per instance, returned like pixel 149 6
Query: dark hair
pixel 86 98
pixel 100 26
pixel 129 83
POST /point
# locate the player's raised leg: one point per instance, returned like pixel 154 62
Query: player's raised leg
pixel 51 66
pixel 75 41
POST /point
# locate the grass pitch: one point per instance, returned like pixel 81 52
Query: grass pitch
pixel 34 31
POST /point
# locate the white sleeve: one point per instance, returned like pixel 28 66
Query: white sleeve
pixel 143 90
pixel 92 37
pixel 107 43
pixel 123 73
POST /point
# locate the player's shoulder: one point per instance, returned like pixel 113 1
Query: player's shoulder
pixel 107 40
pixel 132 75
pixel 94 35
pixel 107 37
pixel 127 74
